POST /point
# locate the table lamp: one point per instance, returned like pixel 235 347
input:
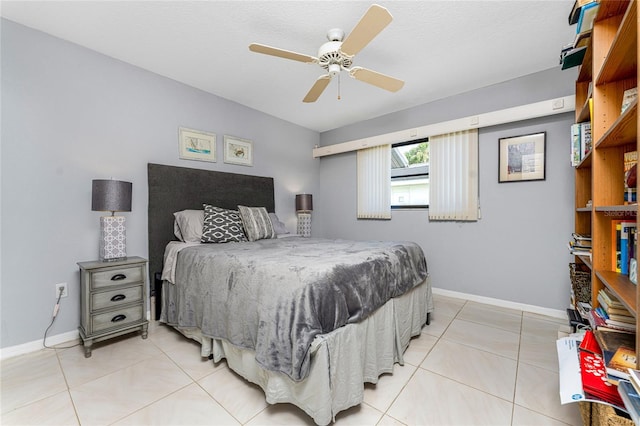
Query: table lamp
pixel 304 206
pixel 111 196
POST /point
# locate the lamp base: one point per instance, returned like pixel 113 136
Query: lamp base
pixel 304 224
pixel 113 240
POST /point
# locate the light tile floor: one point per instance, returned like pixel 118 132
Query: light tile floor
pixel 474 364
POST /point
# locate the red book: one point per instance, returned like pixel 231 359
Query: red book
pixel 594 379
pixel 590 344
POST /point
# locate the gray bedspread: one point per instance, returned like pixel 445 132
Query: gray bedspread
pixel 274 296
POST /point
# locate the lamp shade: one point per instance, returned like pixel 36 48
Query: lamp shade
pixel 110 195
pixel 304 202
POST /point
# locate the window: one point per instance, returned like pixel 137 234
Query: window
pixel 410 174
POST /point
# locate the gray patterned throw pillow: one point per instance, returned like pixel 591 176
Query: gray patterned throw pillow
pixel 221 225
pixel 257 223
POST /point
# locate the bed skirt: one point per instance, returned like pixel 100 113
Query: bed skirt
pixel 341 361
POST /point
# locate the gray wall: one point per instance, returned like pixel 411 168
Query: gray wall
pixel 70 115
pixel 517 251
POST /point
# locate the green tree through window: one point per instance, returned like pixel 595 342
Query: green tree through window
pixel 418 154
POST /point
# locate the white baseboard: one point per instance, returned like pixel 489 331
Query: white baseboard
pixel 70 336
pixel 36 345
pixel 555 313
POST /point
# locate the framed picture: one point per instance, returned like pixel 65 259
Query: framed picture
pixel 522 158
pixel 238 151
pixel 197 145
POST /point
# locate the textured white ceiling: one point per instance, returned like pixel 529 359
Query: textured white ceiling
pixel 440 48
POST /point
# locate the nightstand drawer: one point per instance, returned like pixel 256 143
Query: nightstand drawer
pixel 119 276
pixel 115 298
pixel 117 318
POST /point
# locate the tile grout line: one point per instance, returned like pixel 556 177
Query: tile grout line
pixel 66 382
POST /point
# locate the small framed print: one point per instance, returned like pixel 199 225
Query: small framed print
pixel 238 151
pixel 522 158
pixel 197 145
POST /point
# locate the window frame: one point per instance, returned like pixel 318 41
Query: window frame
pixel 427 174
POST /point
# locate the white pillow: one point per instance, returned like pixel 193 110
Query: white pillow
pixel 188 225
pixel 278 226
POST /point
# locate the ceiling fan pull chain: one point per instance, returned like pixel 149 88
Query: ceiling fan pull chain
pixel 338 86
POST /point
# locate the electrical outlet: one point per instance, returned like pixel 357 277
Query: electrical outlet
pixel 63 287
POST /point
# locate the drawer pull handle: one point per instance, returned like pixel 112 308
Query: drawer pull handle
pixel 118 297
pixel 118 277
pixel 118 318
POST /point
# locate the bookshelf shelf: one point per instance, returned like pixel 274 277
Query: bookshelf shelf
pixel 585 70
pixel 583 209
pixel 623 131
pixel 586 162
pixel 630 208
pixel 586 260
pixel 625 41
pixel 621 287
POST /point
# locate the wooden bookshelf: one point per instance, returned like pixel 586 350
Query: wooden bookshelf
pixel 609 68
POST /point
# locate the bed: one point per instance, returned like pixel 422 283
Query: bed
pixel 303 353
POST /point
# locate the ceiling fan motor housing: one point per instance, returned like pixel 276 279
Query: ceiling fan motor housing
pixel 330 54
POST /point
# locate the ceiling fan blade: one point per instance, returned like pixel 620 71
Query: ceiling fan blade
pixel 318 87
pixel 377 79
pixel 281 53
pixel 370 25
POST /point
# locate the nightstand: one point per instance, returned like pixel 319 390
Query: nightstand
pixel 113 299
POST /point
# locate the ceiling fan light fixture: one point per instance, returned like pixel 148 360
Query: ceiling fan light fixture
pixel 334 69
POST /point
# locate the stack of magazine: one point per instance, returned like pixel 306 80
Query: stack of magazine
pixel 580 245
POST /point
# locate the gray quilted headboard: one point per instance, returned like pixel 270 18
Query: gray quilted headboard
pixel 172 189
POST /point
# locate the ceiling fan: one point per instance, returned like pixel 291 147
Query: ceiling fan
pixel 337 54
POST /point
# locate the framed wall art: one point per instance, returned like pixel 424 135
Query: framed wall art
pixel 522 158
pixel 238 151
pixel 197 145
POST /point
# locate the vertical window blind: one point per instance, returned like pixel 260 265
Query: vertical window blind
pixel 374 182
pixel 453 161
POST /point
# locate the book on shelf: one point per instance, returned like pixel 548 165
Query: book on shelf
pixel 599 322
pixel 611 340
pixel 576 156
pixel 585 138
pixel 631 399
pixel 573 58
pixel 616 229
pixel 574 14
pixel 582 39
pixel 612 307
pixel 630 167
pixel 610 298
pixel 612 343
pixel 613 312
pixel 634 378
pixel 584 308
pixel 620 362
pixel 593 372
pixel 588 13
pixel 581 245
pixel 581 237
pixel 581 142
pixel 579 252
pixel 624 244
pixel 629 96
